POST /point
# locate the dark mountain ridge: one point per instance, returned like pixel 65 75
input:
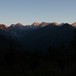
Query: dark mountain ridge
pixel 42 49
pixel 40 37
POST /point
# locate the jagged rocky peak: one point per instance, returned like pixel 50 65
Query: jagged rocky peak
pixel 74 24
pixel 66 24
pixel 18 25
pixel 12 25
pixel 3 26
pixel 43 24
pixel 35 24
pixel 61 24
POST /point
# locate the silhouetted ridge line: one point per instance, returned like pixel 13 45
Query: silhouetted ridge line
pixel 39 49
pixel 36 24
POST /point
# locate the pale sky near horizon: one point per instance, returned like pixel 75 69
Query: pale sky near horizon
pixel 29 11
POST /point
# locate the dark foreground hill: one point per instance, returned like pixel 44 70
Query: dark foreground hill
pixel 45 49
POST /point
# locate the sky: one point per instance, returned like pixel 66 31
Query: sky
pixel 29 11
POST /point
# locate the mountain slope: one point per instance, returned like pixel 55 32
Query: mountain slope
pixel 42 36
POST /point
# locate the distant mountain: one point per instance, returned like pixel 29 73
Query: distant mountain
pixel 43 24
pixel 74 24
pixel 39 35
pixel 35 24
pixel 3 27
pixel 50 35
pixel 16 26
pixel 37 48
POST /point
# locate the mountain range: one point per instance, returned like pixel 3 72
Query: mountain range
pixel 37 36
pixel 42 49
